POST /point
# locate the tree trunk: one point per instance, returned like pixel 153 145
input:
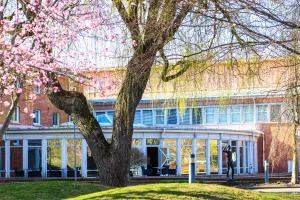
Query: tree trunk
pixel 294 179
pixel 112 160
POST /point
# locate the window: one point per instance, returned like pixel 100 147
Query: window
pixel 172 116
pixel 37 89
pixel 262 113
pixel 185 117
pixel 196 116
pixel 55 119
pixel 16 115
pixel 160 117
pixel 275 113
pixel 37 117
pixel 235 114
pixel 147 117
pixel 210 114
pixel 223 115
pixel 137 117
pixel 111 115
pixel 248 113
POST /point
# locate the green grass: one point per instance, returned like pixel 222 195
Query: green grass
pixel 83 191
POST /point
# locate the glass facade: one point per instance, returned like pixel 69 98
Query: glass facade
pixel 186 150
pixel 200 157
pixel 54 158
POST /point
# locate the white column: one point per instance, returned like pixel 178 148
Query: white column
pixel 144 149
pixel 255 158
pixel 160 155
pixel 238 161
pixel 44 158
pixel 64 158
pixel 244 157
pixel 178 156
pixel 25 157
pixel 207 144
pixel 220 169
pixel 251 163
pixel 84 158
pixel 7 158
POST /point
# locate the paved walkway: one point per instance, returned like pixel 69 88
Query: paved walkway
pixel 286 190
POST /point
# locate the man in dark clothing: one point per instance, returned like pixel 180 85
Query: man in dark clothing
pixel 228 151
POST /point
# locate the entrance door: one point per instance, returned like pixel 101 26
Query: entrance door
pixel 152 160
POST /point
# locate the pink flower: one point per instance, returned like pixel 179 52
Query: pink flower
pixel 25 110
pixel 6 104
pixel 32 115
pixel 1 113
pixel 19 90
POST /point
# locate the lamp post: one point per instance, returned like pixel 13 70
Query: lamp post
pixel 74 140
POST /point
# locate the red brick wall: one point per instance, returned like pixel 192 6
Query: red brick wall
pixel 277 142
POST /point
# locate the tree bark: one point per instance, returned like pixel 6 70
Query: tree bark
pixel 294 179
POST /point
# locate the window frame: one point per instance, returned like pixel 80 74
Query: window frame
pixel 39 117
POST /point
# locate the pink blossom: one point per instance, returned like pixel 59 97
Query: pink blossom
pixel 6 104
pixel 19 90
pixel 25 110
pixel 32 115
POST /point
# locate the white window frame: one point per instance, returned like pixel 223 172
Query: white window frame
pixel 17 113
pixel 39 117
pixel 215 114
pixel 241 114
pixel 219 114
pixel 244 113
pixel 55 125
pixel 267 111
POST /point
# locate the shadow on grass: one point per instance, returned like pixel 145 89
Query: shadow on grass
pixel 167 192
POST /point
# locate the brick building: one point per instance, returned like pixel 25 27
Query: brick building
pixel 197 113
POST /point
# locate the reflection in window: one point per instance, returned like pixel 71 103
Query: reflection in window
pixel 210 114
pixel 248 113
pixel 196 116
pixel 160 117
pixel 235 114
pixel 54 158
pixel 262 113
pixel 185 117
pixel 275 113
pixel 186 150
pixel 147 117
pixel 201 157
pixel 172 116
pixel 214 156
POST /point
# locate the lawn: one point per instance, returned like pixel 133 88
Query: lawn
pixel 83 191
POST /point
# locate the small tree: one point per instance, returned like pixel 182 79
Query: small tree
pixel 137 157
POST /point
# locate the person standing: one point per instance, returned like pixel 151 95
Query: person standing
pixel 228 151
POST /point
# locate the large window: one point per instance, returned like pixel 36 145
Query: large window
pixel 235 114
pixel 172 116
pixel 185 116
pixel 16 115
pixel 55 119
pixel 262 113
pixel 248 113
pixel 213 156
pixel 159 116
pixel 223 115
pixel 54 158
pixel 275 113
pixel 34 157
pixel 196 116
pixel 147 117
pixel 37 117
pixel 211 115
pixel 186 150
pixel 137 117
pixel 201 156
